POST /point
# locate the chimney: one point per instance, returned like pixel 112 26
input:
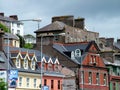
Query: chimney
pixel 1 40
pixel 118 41
pixel 109 42
pixel 2 14
pixel 14 17
pixel 69 20
pixel 79 23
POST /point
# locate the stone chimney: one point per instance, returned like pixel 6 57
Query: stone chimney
pixel 69 20
pixel 15 17
pixel 109 42
pixel 79 23
pixel 1 40
pixel 2 14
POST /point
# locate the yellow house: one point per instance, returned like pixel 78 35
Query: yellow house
pixel 25 61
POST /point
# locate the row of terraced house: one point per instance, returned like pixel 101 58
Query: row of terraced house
pixel 72 57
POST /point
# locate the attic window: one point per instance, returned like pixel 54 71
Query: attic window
pixel 33 65
pixel 25 63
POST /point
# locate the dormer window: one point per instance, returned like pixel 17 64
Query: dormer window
pixel 72 55
pixel 56 68
pixel 25 64
pixel 50 67
pixel 17 62
pixel 33 65
pixel 77 53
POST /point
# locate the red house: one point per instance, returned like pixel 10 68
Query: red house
pixel 52 77
pixel 91 73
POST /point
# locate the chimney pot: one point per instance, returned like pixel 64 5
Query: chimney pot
pixel 2 14
pixel 14 17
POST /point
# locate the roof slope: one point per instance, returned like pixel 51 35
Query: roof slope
pixel 52 27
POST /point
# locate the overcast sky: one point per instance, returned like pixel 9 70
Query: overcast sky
pixel 101 16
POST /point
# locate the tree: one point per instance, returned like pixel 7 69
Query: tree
pixel 3 85
pixel 4 28
pixel 28 45
pixel 22 41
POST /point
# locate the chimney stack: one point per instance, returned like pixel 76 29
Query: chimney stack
pixel 14 17
pixel 1 40
pixel 79 23
pixel 2 14
pixel 69 20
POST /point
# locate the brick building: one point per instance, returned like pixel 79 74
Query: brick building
pixel 91 73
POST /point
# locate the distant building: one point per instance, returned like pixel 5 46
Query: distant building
pixel 65 29
pixel 12 39
pixel 29 39
pixel 12 22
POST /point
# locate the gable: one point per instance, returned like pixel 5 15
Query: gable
pixel 92 47
pixel 93 60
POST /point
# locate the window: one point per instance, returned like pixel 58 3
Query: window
pixel 82 77
pixel 56 68
pixel 18 32
pixel 94 59
pixel 25 63
pixel 6 41
pixel 35 82
pixel 20 81
pixel 52 84
pixel 72 55
pixel 27 82
pixel 114 86
pixel 97 78
pixel 12 31
pixel 18 25
pixel 33 65
pixel 105 79
pixel 45 82
pixel 58 84
pixel 18 63
pixel 90 78
pixel 77 53
pixel 50 67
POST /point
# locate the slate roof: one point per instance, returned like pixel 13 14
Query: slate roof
pixel 71 47
pixel 37 53
pixel 117 45
pixel 52 27
pixel 3 61
pixel 11 36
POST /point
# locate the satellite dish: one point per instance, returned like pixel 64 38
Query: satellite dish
pixel 77 53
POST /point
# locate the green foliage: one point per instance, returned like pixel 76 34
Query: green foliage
pixel 3 85
pixel 28 45
pixel 22 41
pixel 5 29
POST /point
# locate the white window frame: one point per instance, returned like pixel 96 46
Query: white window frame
pixel 35 81
pixel 20 81
pixel 17 62
pixel 33 65
pixel 90 78
pixel 27 82
pixel 105 79
pixel 97 78
pixel 25 63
